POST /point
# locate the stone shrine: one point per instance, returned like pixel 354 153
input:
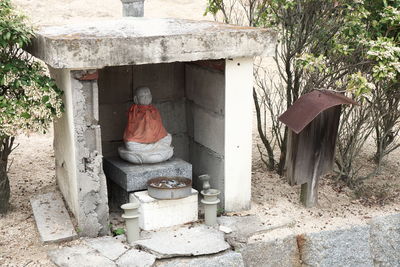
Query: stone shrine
pixel 201 78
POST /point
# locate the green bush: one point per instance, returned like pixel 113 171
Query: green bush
pixel 28 98
pixel 339 45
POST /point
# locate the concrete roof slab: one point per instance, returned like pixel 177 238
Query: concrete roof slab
pixel 134 41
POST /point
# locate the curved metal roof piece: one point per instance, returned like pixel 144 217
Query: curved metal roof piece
pixel 308 106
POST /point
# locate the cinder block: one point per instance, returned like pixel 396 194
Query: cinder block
pixel 93 138
pixel 155 213
pixel 115 85
pixel 180 142
pixel 190 118
pixel 166 81
pixel 173 115
pixel 206 87
pixel 86 93
pixel 116 196
pixel 110 148
pixel 113 119
pixel 206 161
pixel 132 177
pixel 209 129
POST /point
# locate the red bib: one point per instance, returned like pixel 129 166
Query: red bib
pixel 144 125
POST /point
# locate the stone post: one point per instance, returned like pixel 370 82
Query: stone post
pixel 210 201
pixel 238 136
pixel 131 216
pixel 132 8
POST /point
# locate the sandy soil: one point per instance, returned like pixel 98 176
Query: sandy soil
pixel 52 12
pixel 274 200
pixel 31 173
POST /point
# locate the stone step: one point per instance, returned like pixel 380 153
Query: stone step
pixel 52 219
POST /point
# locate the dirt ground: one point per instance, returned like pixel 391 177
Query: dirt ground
pixel 32 170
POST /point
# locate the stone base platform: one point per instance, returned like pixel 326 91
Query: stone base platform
pixel 155 213
pixel 124 178
pixel 133 177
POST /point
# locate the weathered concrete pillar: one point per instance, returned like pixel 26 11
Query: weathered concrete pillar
pixel 132 8
pixel 77 146
pixel 238 132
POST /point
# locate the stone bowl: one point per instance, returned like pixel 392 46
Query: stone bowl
pixel 169 188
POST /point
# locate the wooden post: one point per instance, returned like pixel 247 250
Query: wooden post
pixel 309 191
pixel 310 154
pixel 313 121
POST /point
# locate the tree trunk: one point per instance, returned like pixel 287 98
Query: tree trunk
pixel 6 146
pixel 4 187
pixel 270 152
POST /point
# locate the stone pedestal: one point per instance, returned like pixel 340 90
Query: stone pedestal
pixel 155 213
pixel 124 177
pixel 133 177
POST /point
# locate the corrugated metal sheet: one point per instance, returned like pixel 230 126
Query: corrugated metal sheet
pixel 308 106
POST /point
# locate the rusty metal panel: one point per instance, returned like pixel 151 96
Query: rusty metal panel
pixel 308 106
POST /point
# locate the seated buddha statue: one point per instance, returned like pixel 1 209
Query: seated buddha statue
pixel 145 138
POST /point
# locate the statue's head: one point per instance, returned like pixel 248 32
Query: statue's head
pixel 142 96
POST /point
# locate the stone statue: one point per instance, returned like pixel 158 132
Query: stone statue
pixel 145 138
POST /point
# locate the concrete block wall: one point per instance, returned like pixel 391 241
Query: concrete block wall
pixel 205 160
pixel 115 96
pixel 214 137
pixel 166 82
pixel 205 110
pixel 64 144
pixel 77 146
pixel 209 129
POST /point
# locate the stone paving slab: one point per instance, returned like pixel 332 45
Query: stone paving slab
pixel 136 258
pixel 52 219
pixel 231 259
pixel 189 241
pixel 108 246
pixel 82 256
pixel 244 227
